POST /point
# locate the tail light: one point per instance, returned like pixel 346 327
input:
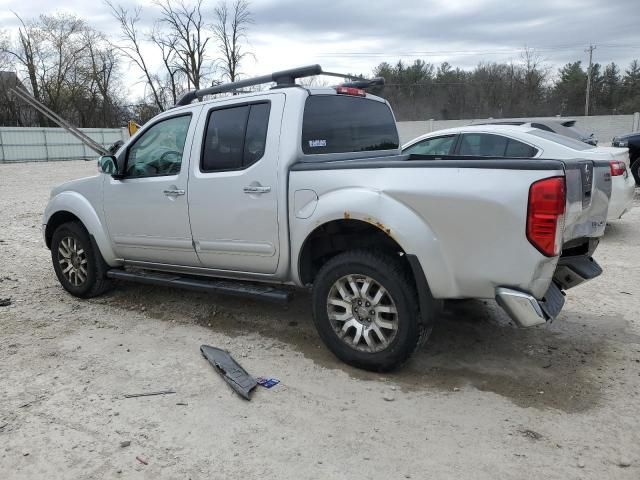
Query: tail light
pixel 545 216
pixel 617 168
pixel 357 92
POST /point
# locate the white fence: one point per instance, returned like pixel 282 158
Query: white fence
pixel 605 127
pixel 34 144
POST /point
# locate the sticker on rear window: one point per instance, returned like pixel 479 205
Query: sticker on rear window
pixel 317 143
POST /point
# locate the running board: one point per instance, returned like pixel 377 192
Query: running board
pixel 223 287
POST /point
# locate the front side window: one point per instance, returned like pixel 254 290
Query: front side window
pixel 432 146
pixel 159 149
pixel 341 124
pixel 235 137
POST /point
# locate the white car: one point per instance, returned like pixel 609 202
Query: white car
pixel 515 141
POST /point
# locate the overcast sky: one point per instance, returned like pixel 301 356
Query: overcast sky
pixel 352 36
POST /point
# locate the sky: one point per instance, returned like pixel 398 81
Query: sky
pixel 354 37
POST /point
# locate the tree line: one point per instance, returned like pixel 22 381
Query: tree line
pixel 421 90
pixel 81 73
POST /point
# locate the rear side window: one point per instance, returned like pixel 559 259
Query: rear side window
pixel 483 145
pixel 235 137
pixel 516 149
pixel 487 145
pixel 562 140
pixel 340 124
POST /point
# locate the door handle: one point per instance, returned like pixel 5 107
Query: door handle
pixel 174 192
pixel 252 189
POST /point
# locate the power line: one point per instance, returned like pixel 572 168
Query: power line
pixel 566 47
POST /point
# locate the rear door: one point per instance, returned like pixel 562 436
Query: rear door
pixel 233 186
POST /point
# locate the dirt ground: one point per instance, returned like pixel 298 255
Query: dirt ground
pixel 481 400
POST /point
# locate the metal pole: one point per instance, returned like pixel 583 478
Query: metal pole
pixel 586 103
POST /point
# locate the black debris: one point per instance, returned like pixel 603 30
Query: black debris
pixel 236 376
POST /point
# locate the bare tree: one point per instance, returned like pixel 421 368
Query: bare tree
pixel 174 72
pixel 535 74
pixel 64 50
pixel 188 38
pixel 131 46
pixel 102 66
pixel 26 52
pixel 230 30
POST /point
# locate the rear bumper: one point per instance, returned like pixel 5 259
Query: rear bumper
pixel 527 311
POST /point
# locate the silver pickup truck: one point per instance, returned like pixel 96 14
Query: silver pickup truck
pixel 306 187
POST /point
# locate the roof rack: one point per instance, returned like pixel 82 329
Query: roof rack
pixel 283 78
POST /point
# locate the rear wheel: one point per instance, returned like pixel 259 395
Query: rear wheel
pixel 79 265
pixel 365 309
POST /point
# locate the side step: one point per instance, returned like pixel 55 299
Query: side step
pixel 224 287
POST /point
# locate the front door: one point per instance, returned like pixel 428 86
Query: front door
pixel 233 189
pixel 146 212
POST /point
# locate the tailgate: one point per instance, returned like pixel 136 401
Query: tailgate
pixel 588 185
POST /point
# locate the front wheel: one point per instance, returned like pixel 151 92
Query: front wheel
pixel 365 309
pixel 79 266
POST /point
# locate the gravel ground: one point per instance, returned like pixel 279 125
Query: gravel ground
pixel 480 400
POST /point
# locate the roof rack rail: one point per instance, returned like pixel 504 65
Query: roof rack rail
pixel 282 78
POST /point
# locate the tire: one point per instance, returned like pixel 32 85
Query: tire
pixel 635 170
pixel 338 316
pixel 78 264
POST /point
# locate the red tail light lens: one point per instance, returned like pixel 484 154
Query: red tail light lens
pixel 617 168
pixel 545 217
pixel 357 92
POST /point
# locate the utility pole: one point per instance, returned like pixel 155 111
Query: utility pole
pixel 586 103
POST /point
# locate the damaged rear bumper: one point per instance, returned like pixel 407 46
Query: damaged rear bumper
pixel 527 311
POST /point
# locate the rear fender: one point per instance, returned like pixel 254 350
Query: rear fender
pixel 398 221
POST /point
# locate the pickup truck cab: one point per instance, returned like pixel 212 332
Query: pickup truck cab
pixel 307 187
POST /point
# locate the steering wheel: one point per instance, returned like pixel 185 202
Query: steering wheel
pixel 170 152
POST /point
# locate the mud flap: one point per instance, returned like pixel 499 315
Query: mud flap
pixel 236 376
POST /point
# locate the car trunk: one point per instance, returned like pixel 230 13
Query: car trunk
pixel 588 185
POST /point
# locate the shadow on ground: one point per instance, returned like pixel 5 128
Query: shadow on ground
pixel 556 366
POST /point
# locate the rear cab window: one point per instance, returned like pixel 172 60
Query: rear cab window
pixel 341 124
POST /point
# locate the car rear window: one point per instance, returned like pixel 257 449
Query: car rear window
pixel 561 139
pixel 340 124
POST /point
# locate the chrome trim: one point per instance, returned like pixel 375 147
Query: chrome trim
pixel 523 308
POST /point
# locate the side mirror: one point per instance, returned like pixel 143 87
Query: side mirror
pixel 108 164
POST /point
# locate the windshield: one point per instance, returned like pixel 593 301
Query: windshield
pixel 340 124
pixel 561 139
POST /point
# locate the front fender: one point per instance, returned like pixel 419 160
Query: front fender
pixel 78 205
pixel 396 219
